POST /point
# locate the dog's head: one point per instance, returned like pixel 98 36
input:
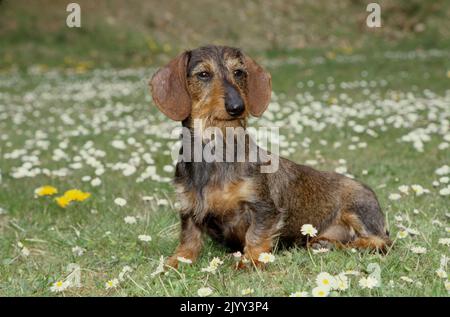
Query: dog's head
pixel 212 83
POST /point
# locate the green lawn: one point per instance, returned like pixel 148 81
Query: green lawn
pixel 337 109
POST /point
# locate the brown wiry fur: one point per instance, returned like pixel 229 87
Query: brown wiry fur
pixel 236 204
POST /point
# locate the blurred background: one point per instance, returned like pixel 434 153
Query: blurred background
pixel 135 33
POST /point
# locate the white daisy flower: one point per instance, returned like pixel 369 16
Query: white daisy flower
pixel 308 230
pixel 204 291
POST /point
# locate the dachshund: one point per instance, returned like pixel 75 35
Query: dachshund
pixel 234 202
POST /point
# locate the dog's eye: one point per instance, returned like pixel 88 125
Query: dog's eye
pixel 204 76
pixel 238 73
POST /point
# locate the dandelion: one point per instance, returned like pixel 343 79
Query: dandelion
pixel 320 291
pixel 308 230
pixel 325 279
pixel 184 260
pixel 112 283
pixel 299 294
pixel 368 282
pixel 418 250
pixel 72 195
pixel 45 191
pixel 62 201
pixel 120 202
pixel 76 195
pixel 247 291
pixel 59 286
pixel 130 220
pixel 402 234
pixel 266 257
pixel 204 291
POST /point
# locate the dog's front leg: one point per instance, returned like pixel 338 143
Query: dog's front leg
pixel 265 223
pixel 190 241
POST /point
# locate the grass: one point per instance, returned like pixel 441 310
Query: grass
pixel 41 108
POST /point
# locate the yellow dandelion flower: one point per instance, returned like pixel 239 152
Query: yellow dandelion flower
pixel 62 201
pixel 45 191
pixel 76 195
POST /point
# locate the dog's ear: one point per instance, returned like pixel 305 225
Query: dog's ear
pixel 259 87
pixel 168 87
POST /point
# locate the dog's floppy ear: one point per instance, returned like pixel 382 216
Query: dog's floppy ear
pixel 168 87
pixel 259 87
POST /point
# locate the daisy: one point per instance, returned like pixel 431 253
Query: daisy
pixel 406 279
pixel 320 250
pixel 447 285
pixel 341 282
pixel 394 196
pixel 126 269
pixel 326 280
pixel 237 255
pixel 112 283
pixel 418 250
pixel 59 286
pixel 25 251
pixel 299 294
pixel 184 260
pixel 404 189
pixel 78 251
pixel 402 234
pixel 419 190
pixel 145 238
pixel 45 191
pixel 309 230
pixel 204 291
pixel 265 257
pixel 441 273
pixel 159 268
pixel 120 202
pixel 368 282
pixel 320 291
pixel 444 241
pixel 247 291
pixel 130 220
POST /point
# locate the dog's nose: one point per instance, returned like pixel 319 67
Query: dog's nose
pixel 236 108
pixel 234 105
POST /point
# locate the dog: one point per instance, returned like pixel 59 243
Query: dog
pixel 236 204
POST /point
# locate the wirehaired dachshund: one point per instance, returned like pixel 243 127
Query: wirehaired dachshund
pixel 235 203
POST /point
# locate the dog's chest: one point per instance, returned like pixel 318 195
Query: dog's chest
pixel 218 199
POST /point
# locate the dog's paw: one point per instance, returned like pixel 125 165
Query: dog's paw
pixel 317 244
pixel 172 262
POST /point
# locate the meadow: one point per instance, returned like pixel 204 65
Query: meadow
pixel 381 116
